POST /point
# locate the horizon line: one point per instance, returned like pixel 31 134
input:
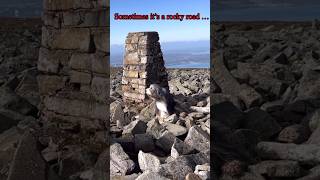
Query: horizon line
pixel 169 41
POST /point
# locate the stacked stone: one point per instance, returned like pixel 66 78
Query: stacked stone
pixel 143 65
pixel 74 65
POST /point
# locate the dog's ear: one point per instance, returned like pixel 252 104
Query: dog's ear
pixel 159 92
pixel 164 90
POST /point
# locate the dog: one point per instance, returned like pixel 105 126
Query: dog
pixel 163 99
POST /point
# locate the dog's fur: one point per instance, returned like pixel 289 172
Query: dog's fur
pixel 164 100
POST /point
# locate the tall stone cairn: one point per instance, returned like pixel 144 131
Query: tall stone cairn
pixel 143 65
pixel 74 68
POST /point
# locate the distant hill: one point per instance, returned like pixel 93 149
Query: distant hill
pixel 20 8
pixel 176 54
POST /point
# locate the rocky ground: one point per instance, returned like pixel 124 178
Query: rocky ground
pixel 19 97
pixel 142 148
pixel 27 146
pixel 266 101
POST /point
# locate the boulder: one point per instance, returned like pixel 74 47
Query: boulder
pixel 165 141
pixel 135 127
pixel 304 153
pixel 148 162
pixel 228 114
pixel 175 129
pixel 178 168
pixel 261 122
pixel 315 137
pixel 294 134
pixel 203 171
pixel 180 148
pixel 314 120
pixel 117 114
pixel 100 170
pixel 151 175
pixel 198 139
pixel 314 174
pixel 23 165
pixel 143 142
pixel 282 168
pixel 120 163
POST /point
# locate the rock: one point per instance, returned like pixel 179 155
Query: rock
pixel 202 103
pixel 304 153
pixel 127 177
pixel 203 171
pixel 180 148
pixel 220 97
pixel 282 168
pixel 192 176
pixel 198 139
pixel 11 101
pixel 315 137
pixel 232 168
pixel 172 119
pixel 229 84
pixel 244 142
pixel 151 175
pixel 165 141
pixel 149 112
pixel 51 152
pixel 175 129
pixel 178 168
pixel 135 127
pixel 234 40
pixel 117 114
pixel 73 159
pixel 9 140
pixel 196 115
pixel 268 28
pixel 86 175
pixel 120 163
pixel 100 170
pixel 143 142
pixel 314 174
pixel 281 58
pixel 314 120
pixel 315 24
pixel 272 106
pixel 9 120
pixel 251 176
pixel 228 114
pixel 180 89
pixel 24 165
pixel 148 162
pixel 309 86
pixel 261 122
pixel 28 87
pixel 294 134
pixel 250 96
pixel 155 129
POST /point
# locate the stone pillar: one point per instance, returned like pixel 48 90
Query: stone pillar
pixel 74 67
pixel 143 65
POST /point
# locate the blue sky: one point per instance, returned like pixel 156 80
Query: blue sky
pixel 169 30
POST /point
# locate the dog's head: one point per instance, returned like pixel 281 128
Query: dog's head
pixel 156 92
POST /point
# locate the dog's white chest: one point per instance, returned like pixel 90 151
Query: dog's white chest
pixel 162 107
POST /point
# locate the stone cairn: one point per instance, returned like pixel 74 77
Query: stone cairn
pixel 74 69
pixel 143 65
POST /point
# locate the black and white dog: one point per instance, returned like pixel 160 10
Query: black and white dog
pixel 164 100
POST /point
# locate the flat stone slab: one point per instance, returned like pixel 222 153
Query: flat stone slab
pixel 27 162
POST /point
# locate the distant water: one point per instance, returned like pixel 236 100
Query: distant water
pixel 174 60
pixel 196 65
